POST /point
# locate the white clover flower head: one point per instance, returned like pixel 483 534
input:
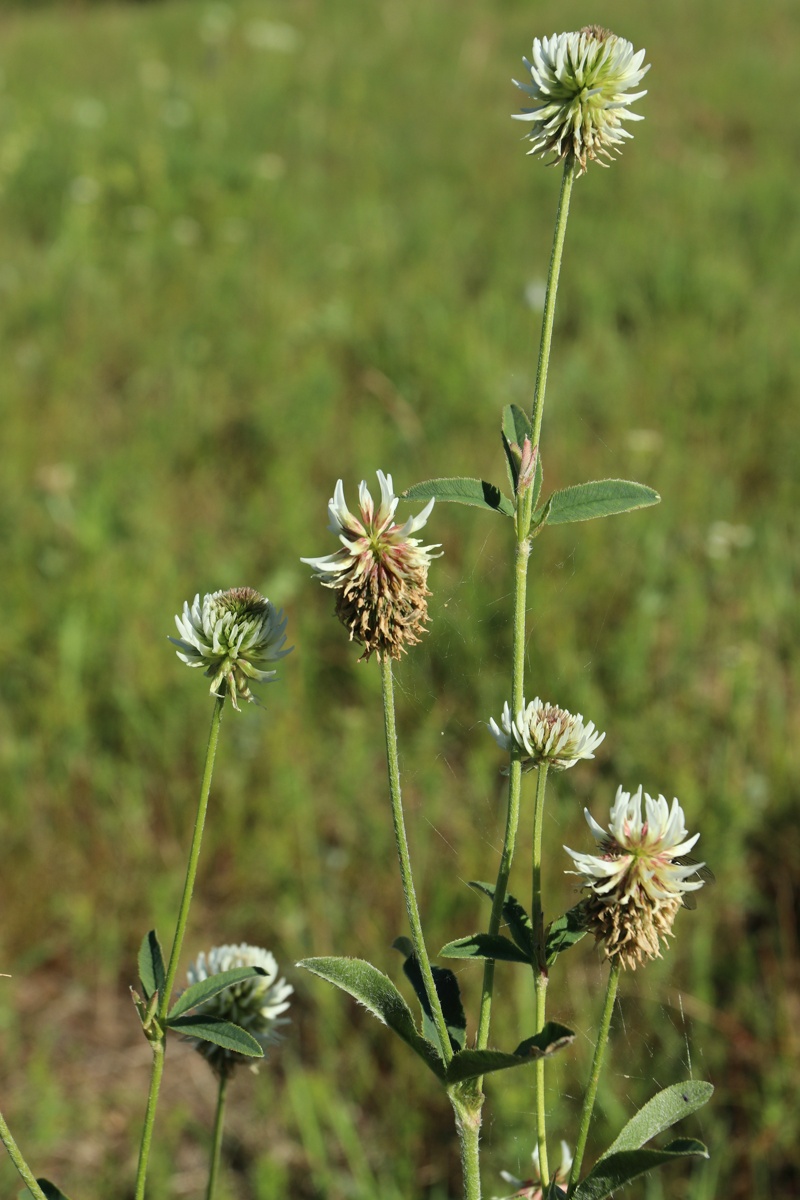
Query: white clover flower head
pixel 234 635
pixel 531 1189
pixel 256 1005
pixel 581 89
pixel 380 572
pixel 543 733
pixel 639 879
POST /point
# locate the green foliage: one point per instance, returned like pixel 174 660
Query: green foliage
pixel 601 498
pixel 620 1168
pixel 49 1189
pixel 474 492
pixel 663 1110
pixel 152 972
pixel 483 945
pixel 380 997
pixel 220 1032
pixel 471 1064
pixel 204 989
pixel 519 923
pixel 447 990
pixel 564 932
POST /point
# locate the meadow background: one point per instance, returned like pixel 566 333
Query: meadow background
pixel 246 249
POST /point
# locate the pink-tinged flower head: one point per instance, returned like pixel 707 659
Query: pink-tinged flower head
pixel 580 86
pixel 639 879
pixel 380 573
pixel 543 733
pixel 532 1189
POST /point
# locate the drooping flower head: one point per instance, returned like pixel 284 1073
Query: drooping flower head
pixel 255 1004
pixel 380 573
pixel 580 86
pixel 531 1189
pixel 639 879
pixel 545 733
pixel 234 635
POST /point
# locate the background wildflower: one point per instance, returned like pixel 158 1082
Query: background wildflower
pixel 380 573
pixel 234 635
pixel 255 1004
pixel 545 733
pixel 638 880
pixel 580 85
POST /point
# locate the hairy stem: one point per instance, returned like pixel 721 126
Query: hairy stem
pixel 539 967
pixel 406 876
pixel 468 1124
pixel 159 1042
pixel 548 317
pixel 15 1154
pixel 594 1078
pixel 523 550
pixel 216 1143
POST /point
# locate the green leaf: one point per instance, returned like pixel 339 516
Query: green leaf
pixel 470 1064
pixel 462 491
pixel 447 990
pixel 519 923
pixel 50 1190
pixel 663 1110
pixel 151 964
pixel 221 1033
pixel 601 498
pixel 483 945
pixel 379 995
pixel 564 932
pixel 618 1169
pixel 206 988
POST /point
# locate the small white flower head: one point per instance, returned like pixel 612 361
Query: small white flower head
pixel 380 572
pixel 580 86
pixel 234 635
pixel 544 733
pixel 255 1004
pixel 531 1189
pixel 639 879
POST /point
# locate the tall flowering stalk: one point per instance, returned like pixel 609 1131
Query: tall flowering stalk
pixel 233 636
pixel 581 88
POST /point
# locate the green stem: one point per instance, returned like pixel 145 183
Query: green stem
pixel 15 1154
pixel 522 554
pixel 216 1145
pixel 405 861
pixel 468 1124
pixel 548 317
pixel 194 857
pixel 539 967
pixel 158 1043
pixel 594 1078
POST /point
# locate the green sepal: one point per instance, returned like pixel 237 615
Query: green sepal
pixel 197 993
pixel 471 1064
pixel 379 996
pixel 564 932
pixel 519 923
pixel 484 945
pixel 151 965
pixel 447 990
pixel 220 1033
pixel 600 498
pixel 475 492
pixel 659 1113
pixel 147 1010
pixel 613 1172
pixel 50 1190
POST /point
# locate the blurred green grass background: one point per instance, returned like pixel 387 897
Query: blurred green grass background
pixel 246 249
